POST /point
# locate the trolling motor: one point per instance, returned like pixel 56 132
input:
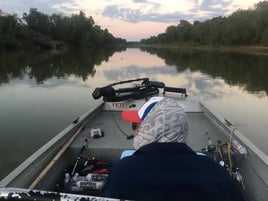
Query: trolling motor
pixel 147 88
pixel 110 94
pixel 143 90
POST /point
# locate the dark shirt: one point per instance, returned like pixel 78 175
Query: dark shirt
pixel 170 171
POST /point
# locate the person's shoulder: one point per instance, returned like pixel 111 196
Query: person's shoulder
pixel 165 148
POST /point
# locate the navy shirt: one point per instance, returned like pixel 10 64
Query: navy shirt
pixel 170 171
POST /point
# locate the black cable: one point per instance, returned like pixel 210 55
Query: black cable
pixel 118 127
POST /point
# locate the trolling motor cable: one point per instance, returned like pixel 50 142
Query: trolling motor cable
pixel 118 127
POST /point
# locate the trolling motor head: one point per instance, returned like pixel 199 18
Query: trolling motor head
pixel 145 89
pixel 107 91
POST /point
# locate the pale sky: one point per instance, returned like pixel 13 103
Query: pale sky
pixel 133 19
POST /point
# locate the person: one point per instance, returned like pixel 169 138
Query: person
pixel 164 167
pixel 158 120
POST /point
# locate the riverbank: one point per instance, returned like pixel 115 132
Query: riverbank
pixel 258 50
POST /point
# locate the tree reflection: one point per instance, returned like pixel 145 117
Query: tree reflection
pixel 44 65
pixel 248 71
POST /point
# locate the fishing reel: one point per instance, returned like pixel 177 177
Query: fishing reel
pixel 211 148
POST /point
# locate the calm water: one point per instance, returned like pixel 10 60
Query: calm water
pixel 40 94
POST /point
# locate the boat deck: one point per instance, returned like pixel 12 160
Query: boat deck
pixel 117 130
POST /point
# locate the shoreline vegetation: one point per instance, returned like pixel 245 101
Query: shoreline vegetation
pixel 244 31
pixel 38 31
pixel 257 50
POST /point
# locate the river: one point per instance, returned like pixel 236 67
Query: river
pixel 41 93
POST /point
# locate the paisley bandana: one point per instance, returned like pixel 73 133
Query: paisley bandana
pixel 166 122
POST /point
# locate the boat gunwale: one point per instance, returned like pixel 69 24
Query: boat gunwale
pixel 241 137
pixel 256 160
pixel 64 134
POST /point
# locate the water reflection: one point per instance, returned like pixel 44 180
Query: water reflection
pixel 247 71
pixel 44 65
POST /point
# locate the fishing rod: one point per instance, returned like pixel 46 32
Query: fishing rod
pixel 56 158
pixel 79 156
pixel 225 156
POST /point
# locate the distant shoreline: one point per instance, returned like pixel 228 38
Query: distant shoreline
pixel 258 50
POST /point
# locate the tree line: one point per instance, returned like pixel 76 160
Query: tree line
pixel 243 27
pixel 39 30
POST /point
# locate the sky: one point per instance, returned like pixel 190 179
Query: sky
pixel 133 20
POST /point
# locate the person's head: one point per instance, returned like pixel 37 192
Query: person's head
pixel 160 119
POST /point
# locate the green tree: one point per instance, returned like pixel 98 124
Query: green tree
pixel 171 33
pixel 37 21
pixel 42 31
pixel 82 30
pixel 184 30
pixel 243 27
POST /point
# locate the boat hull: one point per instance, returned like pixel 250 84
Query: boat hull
pixel 45 169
